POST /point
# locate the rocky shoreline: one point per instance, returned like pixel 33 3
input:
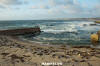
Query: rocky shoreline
pixel 18 53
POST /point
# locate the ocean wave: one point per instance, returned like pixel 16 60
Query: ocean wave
pixel 60 31
pixel 64 27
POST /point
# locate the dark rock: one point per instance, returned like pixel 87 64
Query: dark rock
pixel 5 54
pixel 62 56
pixel 34 52
pixel 53 55
pixel 75 60
pixel 40 54
pixel 83 61
pixel 22 31
pixel 93 24
pixel 14 57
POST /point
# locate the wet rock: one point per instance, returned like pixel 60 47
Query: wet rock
pixel 93 24
pixel 54 55
pixel 82 60
pixel 81 47
pixel 74 52
pixel 40 54
pixel 61 56
pixel 84 55
pixel 75 60
pixel 34 52
pixel 27 54
pixel 47 52
pixel 4 54
pixel 14 57
pixel 38 49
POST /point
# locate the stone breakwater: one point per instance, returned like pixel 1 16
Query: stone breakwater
pixel 18 53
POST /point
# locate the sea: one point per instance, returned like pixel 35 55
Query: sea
pixel 69 32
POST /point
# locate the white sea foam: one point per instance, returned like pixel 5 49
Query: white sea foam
pixel 65 27
pixel 53 38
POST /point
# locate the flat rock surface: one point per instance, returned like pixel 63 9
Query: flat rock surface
pixel 18 53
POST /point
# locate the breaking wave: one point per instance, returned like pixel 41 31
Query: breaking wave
pixel 66 27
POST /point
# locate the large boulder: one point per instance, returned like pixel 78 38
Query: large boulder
pixel 94 39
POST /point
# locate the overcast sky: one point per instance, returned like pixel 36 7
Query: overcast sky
pixel 48 9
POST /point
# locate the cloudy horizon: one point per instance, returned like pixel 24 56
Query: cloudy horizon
pixel 48 9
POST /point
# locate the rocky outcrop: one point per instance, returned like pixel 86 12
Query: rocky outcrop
pixel 21 31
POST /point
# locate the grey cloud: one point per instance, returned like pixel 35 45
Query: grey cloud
pixel 9 3
pixel 62 2
pixel 13 2
pixel 2 6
